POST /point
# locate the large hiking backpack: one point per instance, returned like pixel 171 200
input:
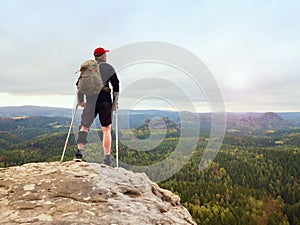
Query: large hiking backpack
pixel 90 82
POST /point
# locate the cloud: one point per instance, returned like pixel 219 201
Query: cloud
pixel 41 50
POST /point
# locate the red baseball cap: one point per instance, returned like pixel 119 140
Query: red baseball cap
pixel 99 51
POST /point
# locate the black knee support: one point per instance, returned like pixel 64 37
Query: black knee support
pixel 82 137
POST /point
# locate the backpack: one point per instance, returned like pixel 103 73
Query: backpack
pixel 90 82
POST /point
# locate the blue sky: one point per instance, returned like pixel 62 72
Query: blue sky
pixel 251 47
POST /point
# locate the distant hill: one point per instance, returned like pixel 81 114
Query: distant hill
pixel 27 128
pixel 12 111
pixel 127 118
pixel 258 122
pixel 270 120
pixel 136 118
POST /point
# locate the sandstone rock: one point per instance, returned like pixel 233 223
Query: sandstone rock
pixel 85 193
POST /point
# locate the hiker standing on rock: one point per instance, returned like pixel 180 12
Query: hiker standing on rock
pixel 100 104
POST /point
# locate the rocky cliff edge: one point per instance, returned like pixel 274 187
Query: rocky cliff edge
pixel 85 193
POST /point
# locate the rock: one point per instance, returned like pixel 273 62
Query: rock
pixel 85 193
pixel 165 195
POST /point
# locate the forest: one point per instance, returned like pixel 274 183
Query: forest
pixel 254 178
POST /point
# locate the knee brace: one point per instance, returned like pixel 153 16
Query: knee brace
pixel 82 137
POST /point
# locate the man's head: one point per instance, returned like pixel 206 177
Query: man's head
pixel 100 52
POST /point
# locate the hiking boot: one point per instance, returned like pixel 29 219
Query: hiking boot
pixel 107 161
pixel 78 155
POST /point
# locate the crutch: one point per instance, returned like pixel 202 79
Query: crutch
pixel 70 129
pixel 117 140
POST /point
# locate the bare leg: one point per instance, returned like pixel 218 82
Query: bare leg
pixel 106 139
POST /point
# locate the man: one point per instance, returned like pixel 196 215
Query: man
pixel 101 105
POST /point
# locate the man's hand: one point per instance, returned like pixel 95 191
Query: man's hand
pixel 115 101
pixel 82 104
pixel 114 106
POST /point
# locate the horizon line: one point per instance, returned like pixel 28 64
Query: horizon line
pixel 148 109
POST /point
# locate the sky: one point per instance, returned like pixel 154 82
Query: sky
pixel 252 49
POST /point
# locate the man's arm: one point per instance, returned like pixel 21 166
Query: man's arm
pixel 115 85
pixel 80 97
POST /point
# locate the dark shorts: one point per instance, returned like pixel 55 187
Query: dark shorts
pixel 93 108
